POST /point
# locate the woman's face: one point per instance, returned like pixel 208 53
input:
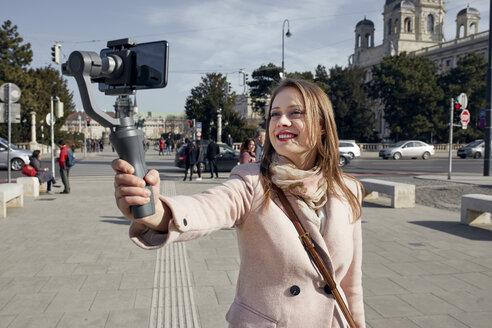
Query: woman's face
pixel 251 146
pixel 288 129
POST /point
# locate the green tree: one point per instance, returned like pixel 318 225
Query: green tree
pixel 37 85
pixel 470 77
pixel 264 80
pixel 351 104
pixel 204 102
pixel 408 89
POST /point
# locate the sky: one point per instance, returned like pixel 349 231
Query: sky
pixel 206 36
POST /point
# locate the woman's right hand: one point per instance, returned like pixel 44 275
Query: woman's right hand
pixel 130 190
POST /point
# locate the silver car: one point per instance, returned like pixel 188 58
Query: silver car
pixel 475 149
pixel 408 149
pixel 18 157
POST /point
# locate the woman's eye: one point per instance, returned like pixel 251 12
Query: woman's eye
pixel 296 113
pixel 274 114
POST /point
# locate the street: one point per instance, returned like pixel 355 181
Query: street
pixel 99 166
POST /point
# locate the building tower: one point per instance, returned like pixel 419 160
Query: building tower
pixel 412 24
pixel 467 22
pixel 364 35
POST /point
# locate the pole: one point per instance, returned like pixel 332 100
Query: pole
pixel 85 139
pixel 219 126
pixel 450 159
pixel 488 110
pixel 52 138
pixel 9 106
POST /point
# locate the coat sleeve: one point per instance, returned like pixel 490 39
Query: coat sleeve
pixel 194 216
pixel 352 282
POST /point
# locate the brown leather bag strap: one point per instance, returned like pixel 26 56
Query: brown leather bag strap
pixel 310 248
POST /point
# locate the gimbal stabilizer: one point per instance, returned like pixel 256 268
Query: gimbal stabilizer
pixel 120 69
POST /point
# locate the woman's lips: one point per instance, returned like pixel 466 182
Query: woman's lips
pixel 284 136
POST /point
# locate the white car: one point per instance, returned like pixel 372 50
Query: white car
pixel 350 148
pixel 408 149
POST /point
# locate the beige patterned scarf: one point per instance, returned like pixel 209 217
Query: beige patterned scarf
pixel 308 186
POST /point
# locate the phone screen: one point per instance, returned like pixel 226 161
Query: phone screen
pixel 151 66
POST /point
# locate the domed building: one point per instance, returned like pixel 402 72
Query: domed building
pixel 417 27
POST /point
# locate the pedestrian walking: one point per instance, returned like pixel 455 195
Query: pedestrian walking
pixel 247 153
pixel 169 145
pixel 260 140
pixel 212 152
pixel 297 195
pixel 190 160
pixel 229 140
pixel 64 167
pixel 200 159
pixel 161 146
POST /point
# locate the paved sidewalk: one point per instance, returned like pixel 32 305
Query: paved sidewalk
pixel 66 261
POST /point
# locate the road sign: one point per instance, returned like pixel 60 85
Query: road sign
pixel 15 92
pixel 465 118
pixel 481 113
pixel 463 100
pixel 48 119
pixel 15 110
pixel 482 123
pixel 198 134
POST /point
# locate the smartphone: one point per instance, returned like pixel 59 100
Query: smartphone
pixel 145 67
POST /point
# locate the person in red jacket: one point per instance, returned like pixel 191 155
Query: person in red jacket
pixel 64 169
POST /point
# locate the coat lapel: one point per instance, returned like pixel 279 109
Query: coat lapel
pixel 312 229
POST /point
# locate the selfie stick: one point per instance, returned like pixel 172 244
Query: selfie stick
pixel 125 138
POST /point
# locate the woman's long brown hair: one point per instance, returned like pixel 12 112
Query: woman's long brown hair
pixel 320 117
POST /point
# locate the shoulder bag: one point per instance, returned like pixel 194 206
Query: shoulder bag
pixel 310 248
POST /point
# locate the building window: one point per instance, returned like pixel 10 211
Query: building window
pixel 430 24
pixel 473 28
pixel 358 41
pixel 396 28
pixel 368 37
pixel 461 33
pixel 448 62
pixel 408 25
pixel 390 25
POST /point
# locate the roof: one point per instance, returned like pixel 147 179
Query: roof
pixel 468 10
pixel 404 4
pixel 388 2
pixel 365 22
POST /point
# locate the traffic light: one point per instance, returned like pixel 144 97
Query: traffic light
pixel 229 87
pixel 88 122
pixel 55 53
pixel 191 124
pixel 457 113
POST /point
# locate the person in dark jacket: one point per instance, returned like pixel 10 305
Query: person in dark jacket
pixel 200 158
pixel 44 175
pixel 212 152
pixel 190 160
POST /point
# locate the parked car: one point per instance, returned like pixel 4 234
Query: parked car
pixel 18 157
pixel 408 149
pixel 350 148
pixel 344 159
pixel 226 160
pixel 475 149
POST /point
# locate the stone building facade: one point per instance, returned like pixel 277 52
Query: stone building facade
pixel 416 27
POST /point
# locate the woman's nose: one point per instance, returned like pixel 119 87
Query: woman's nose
pixel 283 120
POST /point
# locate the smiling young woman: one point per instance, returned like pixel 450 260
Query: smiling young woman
pixel 278 285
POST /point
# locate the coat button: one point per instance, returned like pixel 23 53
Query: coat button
pixel 185 222
pixel 327 289
pixel 295 290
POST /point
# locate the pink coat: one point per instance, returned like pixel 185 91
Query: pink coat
pixel 277 286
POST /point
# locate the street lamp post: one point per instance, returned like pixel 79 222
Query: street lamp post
pixel 288 34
